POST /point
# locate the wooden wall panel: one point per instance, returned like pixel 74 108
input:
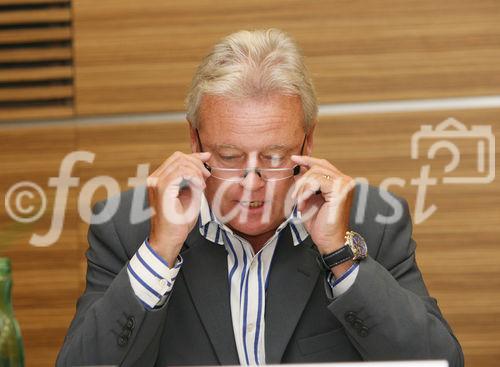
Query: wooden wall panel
pixel 457 247
pixel 46 279
pixel 132 57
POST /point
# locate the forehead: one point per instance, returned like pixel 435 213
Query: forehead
pixel 271 122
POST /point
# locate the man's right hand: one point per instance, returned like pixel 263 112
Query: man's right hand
pixel 174 193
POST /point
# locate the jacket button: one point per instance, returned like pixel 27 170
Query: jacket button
pixel 126 333
pixel 350 317
pixel 122 340
pixel 363 332
pixel 358 324
pixel 130 323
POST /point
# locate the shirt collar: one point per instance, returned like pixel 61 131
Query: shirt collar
pixel 208 220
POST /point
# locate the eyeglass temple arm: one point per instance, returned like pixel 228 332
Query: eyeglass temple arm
pixel 201 151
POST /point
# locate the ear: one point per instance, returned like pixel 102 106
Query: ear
pixel 308 146
pixel 195 145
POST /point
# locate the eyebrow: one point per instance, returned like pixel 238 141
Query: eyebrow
pixel 226 146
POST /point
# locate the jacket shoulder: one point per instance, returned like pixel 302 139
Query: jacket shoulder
pixel 121 218
pixel 375 210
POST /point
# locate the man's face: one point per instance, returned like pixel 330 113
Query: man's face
pixel 261 132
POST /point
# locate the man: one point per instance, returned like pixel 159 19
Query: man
pixel 255 253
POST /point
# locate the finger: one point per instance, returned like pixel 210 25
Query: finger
pixel 187 179
pixel 152 199
pixel 182 177
pixel 177 167
pixel 204 156
pixel 308 161
pixel 199 159
pixel 303 203
pixel 327 181
pixel 313 172
pixel 298 185
pixel 176 156
pixel 319 170
pixel 305 160
pixel 190 178
pixel 303 185
pixel 152 181
pixel 188 159
pixel 304 170
pixel 308 205
pixel 195 158
pixel 181 206
pixel 308 188
pixel 166 162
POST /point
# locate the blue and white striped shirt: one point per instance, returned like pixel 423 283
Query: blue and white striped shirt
pixel 248 275
pixel 151 277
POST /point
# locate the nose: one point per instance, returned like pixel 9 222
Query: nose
pixel 252 181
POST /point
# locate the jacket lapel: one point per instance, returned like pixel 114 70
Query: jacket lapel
pixel 205 272
pixel 293 276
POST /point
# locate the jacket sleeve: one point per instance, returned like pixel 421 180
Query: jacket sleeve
pixel 387 312
pixel 111 325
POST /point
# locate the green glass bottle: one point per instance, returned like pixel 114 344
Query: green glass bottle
pixel 11 343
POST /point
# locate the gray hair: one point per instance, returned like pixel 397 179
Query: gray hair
pixel 249 64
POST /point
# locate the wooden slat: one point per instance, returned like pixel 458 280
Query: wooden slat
pixel 380 50
pixel 34 54
pixel 19 94
pixel 36 73
pixel 34 113
pixel 30 35
pixel 30 16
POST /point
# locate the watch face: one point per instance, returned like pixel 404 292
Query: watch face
pixel 358 246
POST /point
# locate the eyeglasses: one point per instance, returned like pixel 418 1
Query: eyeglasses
pixel 239 174
pixel 266 174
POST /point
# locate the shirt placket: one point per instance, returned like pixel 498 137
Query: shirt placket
pixel 252 303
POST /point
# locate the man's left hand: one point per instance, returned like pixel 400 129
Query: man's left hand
pixel 326 214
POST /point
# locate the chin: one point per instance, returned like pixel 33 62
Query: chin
pixel 253 224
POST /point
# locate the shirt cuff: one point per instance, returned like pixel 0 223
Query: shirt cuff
pixel 151 277
pixel 344 282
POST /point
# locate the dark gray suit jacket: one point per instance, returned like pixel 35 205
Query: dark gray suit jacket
pixel 387 313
